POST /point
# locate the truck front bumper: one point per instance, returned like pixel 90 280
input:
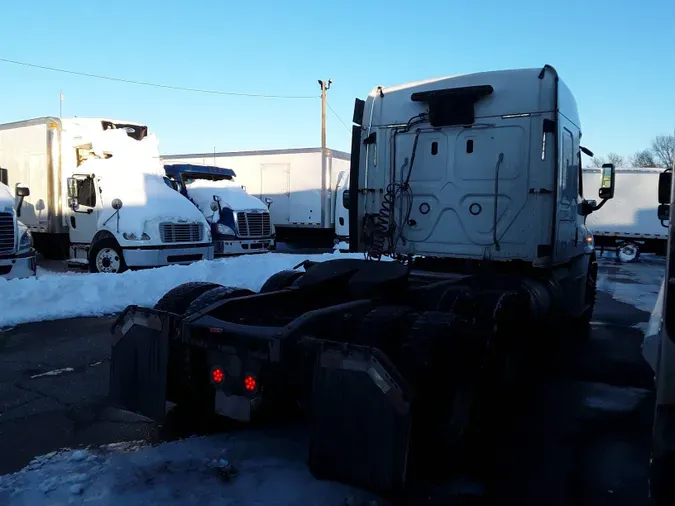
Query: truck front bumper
pixel 242 246
pixel 20 266
pixel 156 257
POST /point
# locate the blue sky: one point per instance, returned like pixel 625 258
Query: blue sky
pixel 618 57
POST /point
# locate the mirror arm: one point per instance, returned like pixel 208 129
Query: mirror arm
pixel 18 207
pixel 602 203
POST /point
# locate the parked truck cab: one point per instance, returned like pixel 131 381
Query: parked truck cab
pixel 17 256
pixel 240 223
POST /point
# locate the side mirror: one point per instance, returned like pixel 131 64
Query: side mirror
pixel 117 204
pixel 72 187
pixel 214 206
pixel 607 183
pixel 345 199
pixel 216 198
pixel 665 181
pixel 268 200
pixel 663 212
pixel 22 191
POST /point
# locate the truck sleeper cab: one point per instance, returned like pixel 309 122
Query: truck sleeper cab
pixel 240 223
pixel 17 255
pixel 403 364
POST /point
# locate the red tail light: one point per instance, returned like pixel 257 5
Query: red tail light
pixel 250 383
pixel 217 375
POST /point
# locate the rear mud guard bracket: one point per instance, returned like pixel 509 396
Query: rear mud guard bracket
pixel 360 419
pixel 139 358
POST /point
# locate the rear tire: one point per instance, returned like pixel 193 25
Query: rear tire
pixel 178 299
pixel 280 280
pixel 214 295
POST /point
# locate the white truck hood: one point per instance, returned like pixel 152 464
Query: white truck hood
pixel 231 195
pixel 135 175
pixel 6 197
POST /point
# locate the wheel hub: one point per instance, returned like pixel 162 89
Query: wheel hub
pixel 107 260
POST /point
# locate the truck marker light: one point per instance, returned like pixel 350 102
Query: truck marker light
pixel 250 383
pixel 217 375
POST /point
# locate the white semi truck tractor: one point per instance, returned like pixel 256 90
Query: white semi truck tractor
pixel 98 195
pixel 659 351
pixel 17 256
pixel 465 199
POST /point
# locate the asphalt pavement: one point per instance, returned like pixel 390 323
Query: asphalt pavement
pixel 54 377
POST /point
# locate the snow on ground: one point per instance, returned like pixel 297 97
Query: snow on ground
pixel 247 468
pixel 52 296
pixel 636 283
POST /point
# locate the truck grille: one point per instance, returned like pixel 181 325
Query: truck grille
pixel 253 224
pixel 6 233
pixel 181 232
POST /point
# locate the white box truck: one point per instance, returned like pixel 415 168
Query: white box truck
pixel 628 224
pixel 98 195
pixel 17 256
pixel 301 185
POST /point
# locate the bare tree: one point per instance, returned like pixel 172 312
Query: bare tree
pixel 615 159
pixel 643 159
pixel 663 148
pixel 597 161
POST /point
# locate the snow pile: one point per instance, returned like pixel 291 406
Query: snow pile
pixel 6 197
pixel 248 468
pixel 135 175
pixel 54 296
pixel 231 194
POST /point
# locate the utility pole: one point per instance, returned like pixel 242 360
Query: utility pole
pixel 326 195
pixel 325 86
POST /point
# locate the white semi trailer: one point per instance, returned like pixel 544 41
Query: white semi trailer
pixel 98 196
pixel 300 183
pixel 628 224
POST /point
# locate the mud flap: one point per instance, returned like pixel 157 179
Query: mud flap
pixel 360 419
pixel 138 362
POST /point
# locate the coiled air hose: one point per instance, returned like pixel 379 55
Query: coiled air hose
pixel 383 225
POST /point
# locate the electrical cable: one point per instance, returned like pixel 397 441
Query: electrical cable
pixel 157 85
pixel 338 117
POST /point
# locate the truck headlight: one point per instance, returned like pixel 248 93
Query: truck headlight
pixel 26 240
pixel 224 229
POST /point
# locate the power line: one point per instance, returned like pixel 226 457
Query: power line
pixel 339 118
pixel 155 85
